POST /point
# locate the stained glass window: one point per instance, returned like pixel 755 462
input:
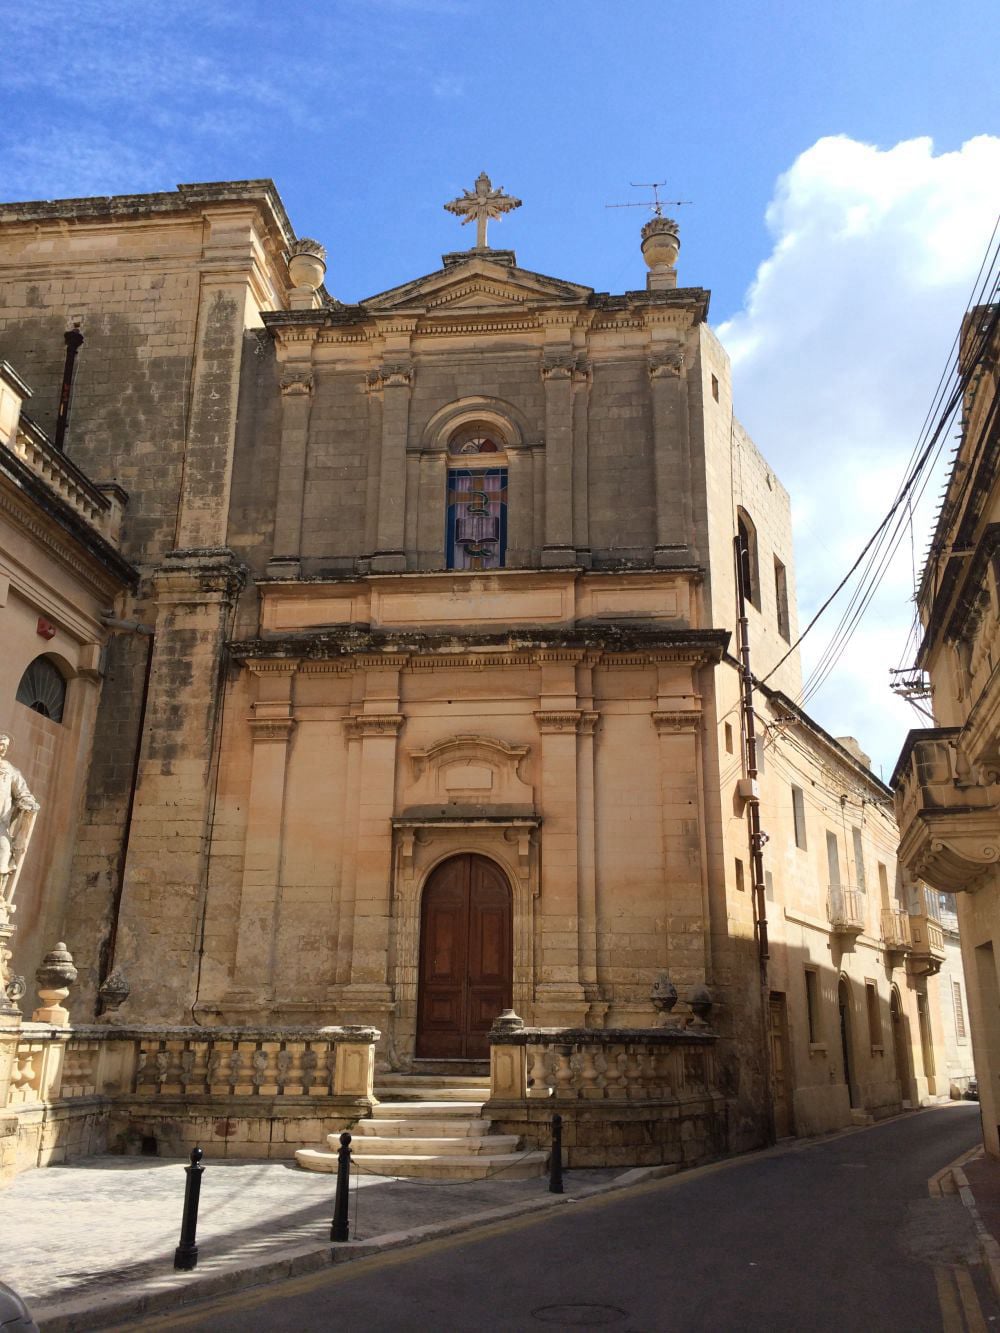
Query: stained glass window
pixel 477 517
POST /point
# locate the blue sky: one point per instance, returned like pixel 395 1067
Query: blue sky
pixel 839 259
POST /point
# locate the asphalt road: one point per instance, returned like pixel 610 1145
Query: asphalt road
pixel 833 1235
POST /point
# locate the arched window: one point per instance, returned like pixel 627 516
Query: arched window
pixel 476 523
pixel 43 689
pixel 747 533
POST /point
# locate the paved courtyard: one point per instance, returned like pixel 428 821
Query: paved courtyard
pixel 104 1224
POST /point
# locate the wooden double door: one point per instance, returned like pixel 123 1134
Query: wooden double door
pixel 466 958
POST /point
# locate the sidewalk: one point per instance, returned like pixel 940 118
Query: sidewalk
pixel 93 1241
pixel 978 1181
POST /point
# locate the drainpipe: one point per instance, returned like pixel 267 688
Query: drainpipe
pixel 74 341
pixel 107 961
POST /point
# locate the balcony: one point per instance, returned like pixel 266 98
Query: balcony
pixel 948 818
pixel 896 936
pixel 845 906
pixel 927 953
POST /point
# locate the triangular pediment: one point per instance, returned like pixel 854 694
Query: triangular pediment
pixel 477 283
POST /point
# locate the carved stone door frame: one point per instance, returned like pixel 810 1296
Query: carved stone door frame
pixel 421 845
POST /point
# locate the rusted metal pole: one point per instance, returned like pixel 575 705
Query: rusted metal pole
pixel 74 341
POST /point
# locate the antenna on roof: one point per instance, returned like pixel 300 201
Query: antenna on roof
pixel 656 203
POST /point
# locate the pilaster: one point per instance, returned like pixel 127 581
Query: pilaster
pixel 271 728
pixel 227 269
pixel 678 730
pixel 671 454
pixel 166 860
pixel 557 376
pixel 582 376
pixel 376 729
pixel 559 995
pixel 394 379
pixel 296 384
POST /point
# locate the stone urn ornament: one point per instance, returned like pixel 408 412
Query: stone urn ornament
pixel 307 264
pixel 701 1003
pixel 113 993
pixel 54 977
pixel 663 994
pixel 506 1022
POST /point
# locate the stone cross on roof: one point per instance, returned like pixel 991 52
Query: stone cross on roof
pixel 481 204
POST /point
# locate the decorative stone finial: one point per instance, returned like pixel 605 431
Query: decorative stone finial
pixel 54 977
pixel 661 244
pixel 307 269
pixel 480 204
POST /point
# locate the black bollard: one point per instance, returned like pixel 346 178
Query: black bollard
pixel 339 1230
pixel 555 1157
pixel 186 1254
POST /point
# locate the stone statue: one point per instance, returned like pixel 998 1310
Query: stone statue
pixel 17 817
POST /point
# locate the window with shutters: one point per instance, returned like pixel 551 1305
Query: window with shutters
pixel 956 996
pixel 750 569
pixel 859 859
pixel 781 599
pixel 799 816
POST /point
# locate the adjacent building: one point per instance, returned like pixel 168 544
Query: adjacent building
pixel 947 779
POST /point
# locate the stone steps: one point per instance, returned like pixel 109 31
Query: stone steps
pixel 449 1166
pixel 422 1127
pixel 472 1091
pixel 469 1145
pixel 394 1110
pixel 429 1128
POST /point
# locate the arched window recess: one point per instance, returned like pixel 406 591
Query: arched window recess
pixel 42 688
pixel 476 523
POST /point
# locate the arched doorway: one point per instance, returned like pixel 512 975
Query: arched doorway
pixel 466 958
pixel 844 1005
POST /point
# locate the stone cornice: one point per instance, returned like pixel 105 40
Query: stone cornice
pixel 558 720
pixel 676 720
pixel 271 728
pixel 612 645
pixel 374 724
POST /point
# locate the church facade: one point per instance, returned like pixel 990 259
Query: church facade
pixel 441 713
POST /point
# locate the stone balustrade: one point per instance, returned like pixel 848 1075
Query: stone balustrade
pixel 233 1091
pixel 99 506
pixel 653 1064
pixel 627 1096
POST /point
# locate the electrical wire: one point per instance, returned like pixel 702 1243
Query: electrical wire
pixel 881 547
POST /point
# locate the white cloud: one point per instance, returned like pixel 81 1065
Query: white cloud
pixel 836 356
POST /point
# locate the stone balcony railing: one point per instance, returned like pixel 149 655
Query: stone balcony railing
pixel 948 815
pixel 101 507
pixel 845 909
pixel 896 937
pixel 927 952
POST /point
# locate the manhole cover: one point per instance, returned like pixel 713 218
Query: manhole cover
pixel 579 1316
